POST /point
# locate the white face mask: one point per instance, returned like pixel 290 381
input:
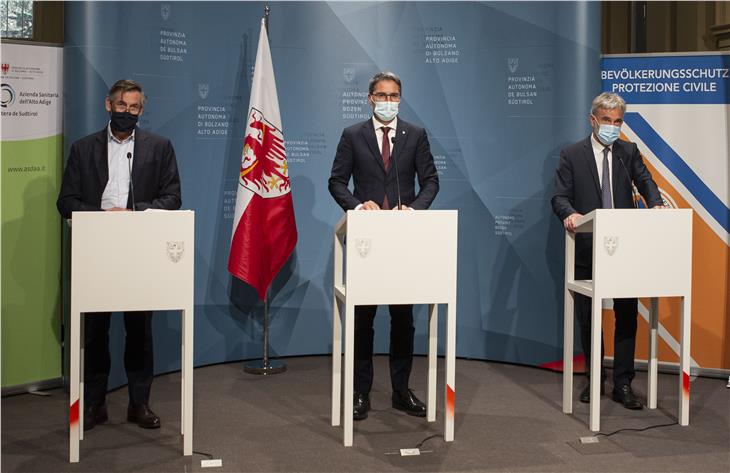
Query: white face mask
pixel 386 111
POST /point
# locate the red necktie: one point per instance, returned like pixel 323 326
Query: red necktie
pixel 385 154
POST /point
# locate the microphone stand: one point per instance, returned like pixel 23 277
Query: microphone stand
pixel 131 184
pixel 397 179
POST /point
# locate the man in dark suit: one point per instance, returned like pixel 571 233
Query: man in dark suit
pixel 120 168
pixel 595 173
pixel 364 153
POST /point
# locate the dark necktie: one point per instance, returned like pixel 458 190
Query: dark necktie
pixel 385 154
pixel 385 151
pixel 606 182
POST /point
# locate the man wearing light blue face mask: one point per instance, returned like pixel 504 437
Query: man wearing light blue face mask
pixel 598 172
pixel 371 153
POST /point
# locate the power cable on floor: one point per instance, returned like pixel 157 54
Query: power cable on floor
pixel 634 430
pixel 420 444
pixel 207 455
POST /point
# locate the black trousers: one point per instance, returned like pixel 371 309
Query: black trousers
pixel 624 340
pixel 138 357
pixel 401 346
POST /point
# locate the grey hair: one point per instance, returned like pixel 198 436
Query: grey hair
pixel 608 101
pixel 126 85
pixel 383 76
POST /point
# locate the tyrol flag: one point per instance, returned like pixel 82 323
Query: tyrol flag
pixel 264 229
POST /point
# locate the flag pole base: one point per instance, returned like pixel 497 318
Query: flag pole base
pixel 264 368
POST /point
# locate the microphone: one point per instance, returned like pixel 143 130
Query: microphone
pixel 395 161
pixel 131 184
pixel 631 186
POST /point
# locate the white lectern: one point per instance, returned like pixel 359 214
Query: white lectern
pixel 394 257
pixel 130 261
pixel 636 253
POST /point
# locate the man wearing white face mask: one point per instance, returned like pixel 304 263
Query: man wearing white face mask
pixel 597 172
pixel 367 153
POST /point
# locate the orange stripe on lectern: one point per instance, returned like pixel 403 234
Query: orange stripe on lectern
pixel 685 384
pixel 450 397
pixel 74 414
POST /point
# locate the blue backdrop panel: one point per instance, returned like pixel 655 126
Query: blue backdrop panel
pixel 500 88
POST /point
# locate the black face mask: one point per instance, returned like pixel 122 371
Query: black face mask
pixel 123 122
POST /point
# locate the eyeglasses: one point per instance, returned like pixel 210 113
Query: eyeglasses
pixel 121 106
pixel 382 97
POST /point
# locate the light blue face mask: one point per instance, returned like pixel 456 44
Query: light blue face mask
pixel 386 111
pixel 607 134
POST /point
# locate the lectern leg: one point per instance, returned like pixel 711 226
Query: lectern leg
pixel 82 364
pixel 432 356
pixel 349 367
pixel 651 392
pixel 568 352
pixel 684 361
pixel 182 376
pixel 336 360
pixel 187 400
pixel 74 401
pixel 595 378
pixel 450 372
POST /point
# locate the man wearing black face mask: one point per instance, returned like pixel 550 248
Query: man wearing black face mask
pixel 98 178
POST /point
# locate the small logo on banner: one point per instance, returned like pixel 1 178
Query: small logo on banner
pixel 611 244
pixel 513 63
pixel 363 246
pixel 203 90
pixel 6 67
pixel 8 95
pixel 348 73
pixel 263 168
pixel 165 11
pixel 175 250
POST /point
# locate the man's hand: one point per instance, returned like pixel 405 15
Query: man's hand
pixel 402 207
pixel 117 209
pixel 569 222
pixel 661 207
pixel 370 205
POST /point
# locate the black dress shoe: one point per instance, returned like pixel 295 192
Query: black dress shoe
pixel 360 406
pixel 585 395
pixel 143 417
pixel 95 415
pixel 624 395
pixel 408 402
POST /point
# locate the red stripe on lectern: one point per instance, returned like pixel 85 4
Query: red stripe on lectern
pixel 450 396
pixel 685 384
pixel 74 414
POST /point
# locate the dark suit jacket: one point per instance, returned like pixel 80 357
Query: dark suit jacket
pixel 358 157
pixel 577 186
pixel 154 174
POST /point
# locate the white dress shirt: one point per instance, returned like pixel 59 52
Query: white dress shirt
pixel 379 133
pixel 116 192
pixel 598 155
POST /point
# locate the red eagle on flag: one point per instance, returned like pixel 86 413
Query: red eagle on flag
pixel 264 228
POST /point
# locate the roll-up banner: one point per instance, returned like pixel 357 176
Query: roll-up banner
pixel 31 228
pixel 678 114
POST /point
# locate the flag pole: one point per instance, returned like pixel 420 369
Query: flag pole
pixel 265 366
